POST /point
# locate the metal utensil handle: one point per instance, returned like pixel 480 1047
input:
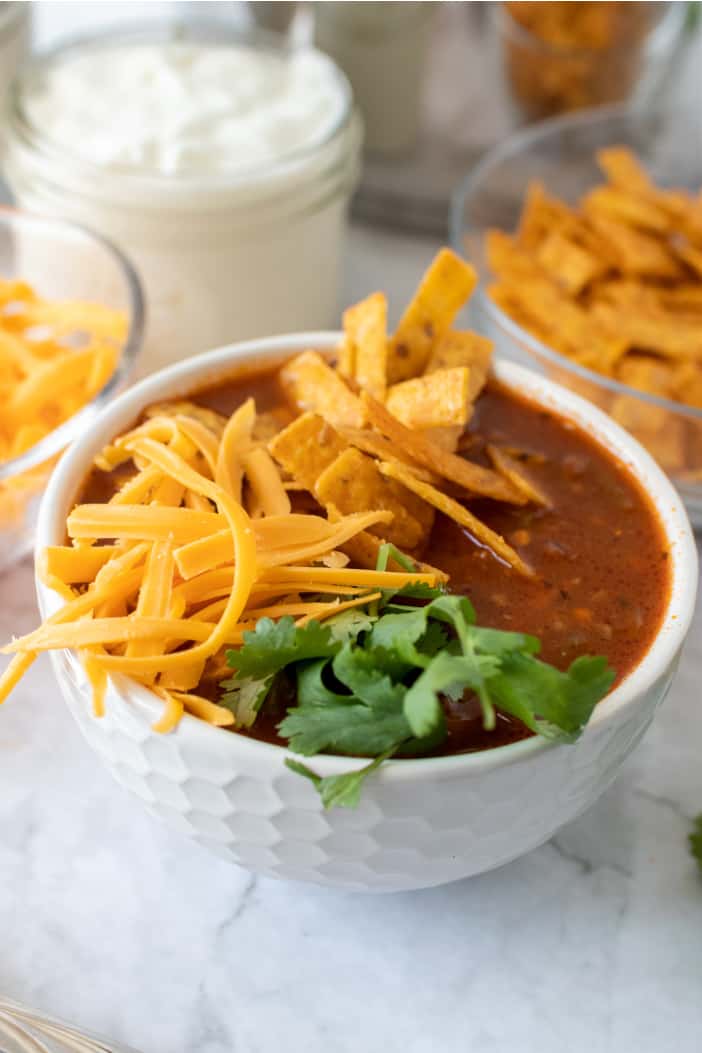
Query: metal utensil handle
pixel 24 1030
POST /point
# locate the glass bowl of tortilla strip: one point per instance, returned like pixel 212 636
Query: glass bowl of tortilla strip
pixel 587 234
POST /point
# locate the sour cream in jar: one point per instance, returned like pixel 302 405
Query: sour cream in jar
pixel 223 167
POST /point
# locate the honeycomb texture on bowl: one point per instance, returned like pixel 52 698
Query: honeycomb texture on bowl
pixel 240 800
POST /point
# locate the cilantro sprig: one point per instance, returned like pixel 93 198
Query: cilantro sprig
pixel 371 682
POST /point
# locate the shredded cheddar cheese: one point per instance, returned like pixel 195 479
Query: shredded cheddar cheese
pixel 162 578
pixel 54 358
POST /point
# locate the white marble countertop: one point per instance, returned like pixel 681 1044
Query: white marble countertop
pixel 591 943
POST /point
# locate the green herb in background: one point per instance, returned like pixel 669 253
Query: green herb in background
pixel 695 839
pixel 370 683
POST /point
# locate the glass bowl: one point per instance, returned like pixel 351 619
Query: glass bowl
pixel 61 261
pixel 631 49
pixel 560 154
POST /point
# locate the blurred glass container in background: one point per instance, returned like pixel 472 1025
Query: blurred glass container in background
pixel 382 48
pixel 15 32
pixel 222 163
pixel 62 263
pixel 568 56
pixel 443 66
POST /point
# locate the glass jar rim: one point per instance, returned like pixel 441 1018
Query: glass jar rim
pixel 175 30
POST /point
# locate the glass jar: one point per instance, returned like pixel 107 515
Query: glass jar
pixel 558 58
pixel 223 255
pixel 15 25
pixel 382 48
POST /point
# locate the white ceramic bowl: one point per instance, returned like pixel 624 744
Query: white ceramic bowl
pixel 420 822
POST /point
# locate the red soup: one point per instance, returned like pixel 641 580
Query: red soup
pixel 602 576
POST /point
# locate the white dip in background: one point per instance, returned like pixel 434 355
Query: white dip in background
pixel 186 108
pixel 222 169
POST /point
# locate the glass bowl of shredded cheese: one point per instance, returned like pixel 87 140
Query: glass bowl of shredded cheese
pixel 71 320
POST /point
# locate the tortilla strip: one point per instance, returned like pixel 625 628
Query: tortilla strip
pixel 636 252
pixel 459 514
pixel 435 400
pixel 446 438
pixel 310 383
pixel 353 481
pixel 460 347
pixel 512 470
pixel 268 424
pixel 306 447
pixel 443 290
pixel 570 265
pixel 472 477
pixel 623 169
pixel 346 358
pixel 365 329
pixel 622 205
pixel 376 445
pixel 541 213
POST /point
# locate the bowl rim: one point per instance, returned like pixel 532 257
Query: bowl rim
pixel 473 182
pixel 60 437
pixel 197 371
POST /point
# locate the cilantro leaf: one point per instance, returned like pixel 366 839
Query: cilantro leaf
pixel 395 636
pixel 353 729
pixel 447 674
pixel 367 722
pixel 497 641
pixel 341 791
pixel 245 697
pixel 349 624
pixel 695 839
pixel 273 645
pixel 554 704
pixel 359 670
pixel 458 611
